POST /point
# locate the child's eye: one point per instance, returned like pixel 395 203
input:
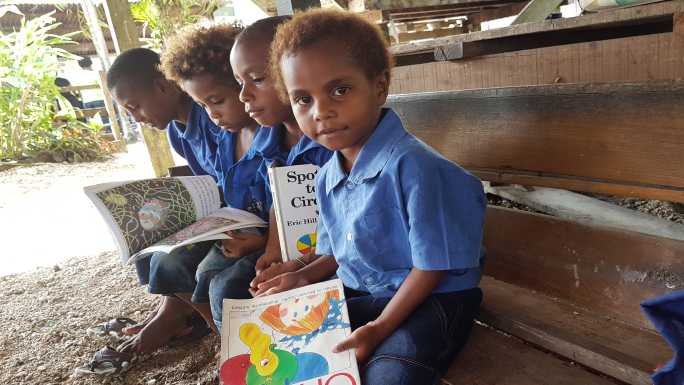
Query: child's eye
pixel 258 80
pixel 341 91
pixel 218 102
pixel 304 100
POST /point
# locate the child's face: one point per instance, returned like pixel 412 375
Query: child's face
pixel 221 101
pixel 249 60
pixel 333 101
pixel 153 106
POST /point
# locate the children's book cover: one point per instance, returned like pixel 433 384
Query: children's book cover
pixel 296 209
pixel 285 338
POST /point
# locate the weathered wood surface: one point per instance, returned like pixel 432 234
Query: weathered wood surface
pixel 497 13
pixel 628 133
pixel 626 16
pixel 536 10
pixel 658 56
pixel 605 270
pixel 581 208
pixel 617 349
pixel 490 358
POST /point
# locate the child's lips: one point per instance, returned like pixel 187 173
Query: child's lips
pixel 253 113
pixel 330 132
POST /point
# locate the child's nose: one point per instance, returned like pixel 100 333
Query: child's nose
pixel 246 95
pixel 322 111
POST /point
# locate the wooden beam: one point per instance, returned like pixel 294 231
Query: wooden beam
pixel 416 5
pixel 496 13
pixel 620 17
pixel 405 37
pixel 582 336
pixel 536 10
pixel 581 208
pixel 462 50
pixel 620 132
pixel 79 88
pixel 678 22
pixel 268 6
pixel 512 362
pixel 116 130
pixel 609 271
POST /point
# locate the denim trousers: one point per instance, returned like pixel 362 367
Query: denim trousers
pixel 424 346
pixel 174 272
pixel 232 283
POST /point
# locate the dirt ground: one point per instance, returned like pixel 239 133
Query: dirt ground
pixel 46 220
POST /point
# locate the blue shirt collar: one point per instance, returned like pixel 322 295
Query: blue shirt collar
pixel 266 143
pixel 373 155
pixel 198 119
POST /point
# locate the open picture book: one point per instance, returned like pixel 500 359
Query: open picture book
pixel 285 338
pixel 163 214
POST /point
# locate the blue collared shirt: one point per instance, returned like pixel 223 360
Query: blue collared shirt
pixel 306 151
pixel 243 183
pixel 196 142
pixel 402 205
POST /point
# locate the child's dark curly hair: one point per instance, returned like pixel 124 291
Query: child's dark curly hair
pixel 363 41
pixel 197 50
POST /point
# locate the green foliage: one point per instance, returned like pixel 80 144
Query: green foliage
pixel 164 17
pixel 28 95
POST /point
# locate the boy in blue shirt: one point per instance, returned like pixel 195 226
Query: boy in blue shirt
pixel 137 84
pixel 399 224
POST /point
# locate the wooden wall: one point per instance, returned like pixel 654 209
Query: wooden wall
pixel 659 56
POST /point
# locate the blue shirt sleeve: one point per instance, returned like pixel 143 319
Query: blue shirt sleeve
pixel 446 209
pixel 323 245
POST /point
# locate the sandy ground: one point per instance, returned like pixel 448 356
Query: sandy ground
pixel 46 221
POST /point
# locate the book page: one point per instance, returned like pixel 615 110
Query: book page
pixel 211 227
pixel 141 213
pixel 286 338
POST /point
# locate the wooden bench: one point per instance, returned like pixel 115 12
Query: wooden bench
pixel 569 290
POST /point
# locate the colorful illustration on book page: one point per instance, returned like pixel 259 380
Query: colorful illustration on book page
pixel 289 343
pixel 200 227
pixel 149 210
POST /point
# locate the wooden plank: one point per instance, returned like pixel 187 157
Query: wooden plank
pixel 593 186
pixel 645 14
pixel 536 10
pixel 605 270
pixel 612 347
pixel 621 132
pixel 414 6
pixel 463 50
pixel 490 358
pixel 405 37
pixel 578 207
pixel 496 13
pixel 80 88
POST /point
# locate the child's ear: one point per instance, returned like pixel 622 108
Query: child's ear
pixel 164 86
pixel 382 83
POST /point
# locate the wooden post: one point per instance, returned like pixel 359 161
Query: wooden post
pixel 125 36
pixel 96 33
pixel 116 130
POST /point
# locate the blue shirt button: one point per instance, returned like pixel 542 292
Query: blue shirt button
pixel 369 280
pixel 351 185
pixel 349 237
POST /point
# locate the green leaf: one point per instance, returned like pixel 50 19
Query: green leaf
pixel 30 153
pixel 57 158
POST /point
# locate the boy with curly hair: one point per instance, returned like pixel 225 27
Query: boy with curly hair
pixel 399 224
pixel 197 58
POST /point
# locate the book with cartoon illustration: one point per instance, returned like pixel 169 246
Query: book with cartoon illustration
pixel 296 209
pixel 163 214
pixel 286 338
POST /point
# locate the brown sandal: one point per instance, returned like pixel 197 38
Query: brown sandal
pixel 111 330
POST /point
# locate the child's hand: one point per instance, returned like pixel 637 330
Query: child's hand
pixel 284 282
pixel 364 340
pixel 275 270
pixel 267 260
pixel 242 244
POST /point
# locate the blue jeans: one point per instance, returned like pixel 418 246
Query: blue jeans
pixel 232 283
pixel 424 346
pixel 172 273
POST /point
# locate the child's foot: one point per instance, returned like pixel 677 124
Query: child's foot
pixel 135 329
pixel 169 321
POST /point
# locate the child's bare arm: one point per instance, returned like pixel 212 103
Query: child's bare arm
pixel 272 255
pixel 281 268
pixel 318 271
pixel 415 289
